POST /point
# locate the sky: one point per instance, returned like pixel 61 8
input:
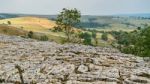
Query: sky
pixel 87 7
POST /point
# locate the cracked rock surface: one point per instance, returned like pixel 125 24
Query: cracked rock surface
pixel 52 63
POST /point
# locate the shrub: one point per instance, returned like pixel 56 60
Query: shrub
pixel 30 34
pixel 87 38
pixel 44 38
pixel 5 30
pixel 105 36
pixel 57 29
pixel 9 22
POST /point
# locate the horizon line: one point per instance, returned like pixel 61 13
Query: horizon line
pixel 81 14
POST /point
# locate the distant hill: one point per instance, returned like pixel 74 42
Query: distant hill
pixel 5 15
pixel 9 15
pixel 114 22
pixel 145 15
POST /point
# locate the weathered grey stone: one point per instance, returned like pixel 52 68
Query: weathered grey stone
pixel 137 79
pixel 52 63
pixel 82 68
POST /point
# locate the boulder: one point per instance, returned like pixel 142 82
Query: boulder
pixel 83 68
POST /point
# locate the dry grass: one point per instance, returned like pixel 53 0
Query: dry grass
pixel 42 22
pixel 37 25
pixel 9 30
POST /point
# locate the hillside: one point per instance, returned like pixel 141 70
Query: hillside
pixel 52 63
pixel 10 30
pixel 109 23
pixel 43 26
pixel 125 22
pixel 30 23
pixel 37 25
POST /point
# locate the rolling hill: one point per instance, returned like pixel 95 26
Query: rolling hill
pixel 113 22
pixel 40 26
pixel 30 23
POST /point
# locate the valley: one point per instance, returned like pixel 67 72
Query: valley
pixel 44 25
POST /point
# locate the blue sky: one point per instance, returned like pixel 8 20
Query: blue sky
pixel 87 7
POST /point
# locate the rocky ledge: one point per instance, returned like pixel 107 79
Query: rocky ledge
pixel 52 63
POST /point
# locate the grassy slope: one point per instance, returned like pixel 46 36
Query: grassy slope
pixel 39 25
pixel 9 30
pixel 42 25
pixel 30 23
